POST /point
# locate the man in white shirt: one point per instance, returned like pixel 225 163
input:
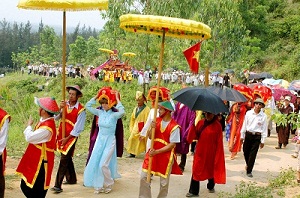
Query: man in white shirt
pixel 253 133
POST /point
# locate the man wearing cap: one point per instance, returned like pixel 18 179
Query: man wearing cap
pixel 167 134
pixel 4 125
pixel 253 133
pixel 137 121
pixel 36 165
pixel 74 124
pixel 283 132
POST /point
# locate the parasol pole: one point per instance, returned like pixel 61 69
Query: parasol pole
pixel 162 49
pixel 64 40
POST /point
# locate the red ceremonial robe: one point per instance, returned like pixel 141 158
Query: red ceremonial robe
pixel 35 154
pixel 209 160
pixel 71 118
pixel 3 117
pixel 161 163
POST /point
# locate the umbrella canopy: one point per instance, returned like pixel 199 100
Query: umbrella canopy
pixel 227 94
pixel 106 50
pixel 278 94
pixel 295 85
pixel 253 75
pixel 215 73
pixel 262 90
pixel 128 54
pixel 244 89
pixel 173 27
pixel 63 5
pixel 197 98
pixel 229 71
pixel 265 75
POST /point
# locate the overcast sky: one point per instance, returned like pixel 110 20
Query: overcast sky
pixel 9 11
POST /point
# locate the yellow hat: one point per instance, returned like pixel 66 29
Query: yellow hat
pixel 139 95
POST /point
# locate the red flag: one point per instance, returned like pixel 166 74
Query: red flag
pixel 192 56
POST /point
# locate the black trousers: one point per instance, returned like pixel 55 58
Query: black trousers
pixel 2 179
pixel 195 186
pixel 250 148
pixel 37 191
pixel 66 168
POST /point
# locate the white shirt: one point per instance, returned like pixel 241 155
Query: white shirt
pixel 175 135
pixel 255 123
pixel 38 136
pixel 3 135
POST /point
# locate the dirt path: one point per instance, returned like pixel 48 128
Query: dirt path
pixel 269 163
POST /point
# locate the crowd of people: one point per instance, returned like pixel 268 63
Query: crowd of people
pixel 162 136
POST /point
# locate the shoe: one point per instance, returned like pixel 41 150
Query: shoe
pixel 294 155
pixel 131 156
pixel 249 175
pixel 191 195
pixel 278 147
pixel 99 190
pixel 284 146
pixel 211 190
pixel 107 190
pixel 68 183
pixel 56 189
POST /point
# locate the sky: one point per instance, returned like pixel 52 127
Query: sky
pixel 9 11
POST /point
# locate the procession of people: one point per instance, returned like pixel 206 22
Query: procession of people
pixel 176 127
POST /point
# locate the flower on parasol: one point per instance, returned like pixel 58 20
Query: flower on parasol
pixel 244 89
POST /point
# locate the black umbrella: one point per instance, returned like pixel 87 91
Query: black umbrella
pixel 229 71
pixel 227 94
pixel 265 75
pixel 197 98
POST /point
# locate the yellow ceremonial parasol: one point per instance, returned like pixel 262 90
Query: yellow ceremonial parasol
pixel 163 26
pixel 64 5
pixel 128 54
pixel 106 50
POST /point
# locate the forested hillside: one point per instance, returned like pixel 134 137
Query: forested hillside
pixel 258 35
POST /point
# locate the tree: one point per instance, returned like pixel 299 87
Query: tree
pixel 78 51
